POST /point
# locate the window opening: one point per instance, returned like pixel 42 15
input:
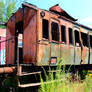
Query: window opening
pixel 84 39
pixel 55 31
pixel 91 41
pixel 77 38
pixel 63 33
pixel 70 36
pixel 20 47
pixel 45 28
pixel 18 41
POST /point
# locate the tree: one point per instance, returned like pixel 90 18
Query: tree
pixel 2 8
pixel 7 7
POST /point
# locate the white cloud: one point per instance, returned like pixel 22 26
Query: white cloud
pixel 87 19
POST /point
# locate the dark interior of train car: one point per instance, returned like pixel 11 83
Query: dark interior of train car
pixel 45 25
pixel 55 31
pixel 77 38
pixel 70 36
pixel 90 41
pixel 18 49
pixel 84 37
pixel 63 33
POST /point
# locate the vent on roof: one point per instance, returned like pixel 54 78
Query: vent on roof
pixel 60 11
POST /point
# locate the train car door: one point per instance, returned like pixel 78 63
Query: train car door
pixel 70 50
pixel 55 46
pixel 20 48
pixel 85 46
pixel 77 46
pixel 90 40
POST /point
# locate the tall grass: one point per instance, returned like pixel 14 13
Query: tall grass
pixel 61 82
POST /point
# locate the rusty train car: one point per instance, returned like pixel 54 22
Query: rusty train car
pixel 47 36
pixel 37 38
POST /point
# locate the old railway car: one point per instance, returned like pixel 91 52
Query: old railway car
pixel 47 36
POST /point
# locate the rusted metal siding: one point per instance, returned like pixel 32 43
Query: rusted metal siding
pixel 43 53
pixel 84 50
pixel 67 50
pixel 10 44
pixel 19 15
pixel 49 48
pixel 77 47
pixel 43 45
pixel 85 55
pixel 77 55
pixel 54 45
pixel 55 49
pixel 29 36
pixel 11 35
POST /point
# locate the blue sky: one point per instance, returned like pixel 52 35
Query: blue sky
pixel 79 9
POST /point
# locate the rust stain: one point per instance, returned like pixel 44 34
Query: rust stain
pixel 83 55
pixel 29 36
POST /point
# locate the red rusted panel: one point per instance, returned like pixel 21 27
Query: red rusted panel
pixel 29 36
pixel 19 15
pixel 85 55
pixel 10 44
pixel 11 34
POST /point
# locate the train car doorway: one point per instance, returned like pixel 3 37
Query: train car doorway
pixel 77 47
pixel 19 42
pixel 20 47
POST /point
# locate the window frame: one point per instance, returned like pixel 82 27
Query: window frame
pixel 48 29
pixel 57 22
pixel 71 36
pixel 79 44
pixel 64 42
pixel 90 41
pixel 86 40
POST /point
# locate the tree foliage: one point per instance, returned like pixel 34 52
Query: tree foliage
pixel 6 9
pixel 10 9
pixel 2 8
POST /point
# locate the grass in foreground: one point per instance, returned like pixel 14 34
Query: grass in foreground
pixel 61 82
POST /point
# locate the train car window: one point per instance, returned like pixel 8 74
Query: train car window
pixel 91 41
pixel 63 33
pixel 84 39
pixel 70 36
pixel 77 38
pixel 45 28
pixel 55 31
